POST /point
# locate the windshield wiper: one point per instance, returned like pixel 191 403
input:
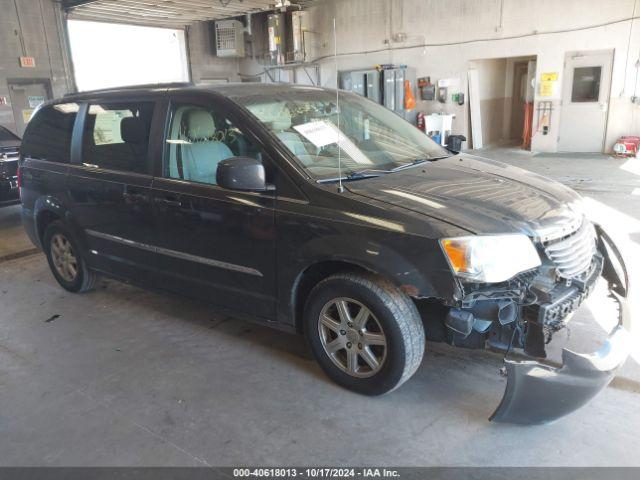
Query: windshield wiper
pixel 370 173
pixel 418 161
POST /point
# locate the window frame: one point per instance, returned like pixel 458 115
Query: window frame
pixel 78 154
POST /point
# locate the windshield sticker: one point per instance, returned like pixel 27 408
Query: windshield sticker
pixel 319 133
pixel 322 133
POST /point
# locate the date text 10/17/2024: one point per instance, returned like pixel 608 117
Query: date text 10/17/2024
pixel 315 473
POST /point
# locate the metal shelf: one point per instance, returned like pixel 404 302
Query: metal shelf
pixel 309 68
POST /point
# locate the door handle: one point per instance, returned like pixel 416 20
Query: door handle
pixel 168 201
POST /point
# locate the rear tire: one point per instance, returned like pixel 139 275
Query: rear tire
pixel 371 351
pixel 65 259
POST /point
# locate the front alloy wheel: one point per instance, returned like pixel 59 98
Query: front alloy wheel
pixel 365 333
pixel 352 337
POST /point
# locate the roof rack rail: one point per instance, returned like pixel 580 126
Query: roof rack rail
pixel 133 87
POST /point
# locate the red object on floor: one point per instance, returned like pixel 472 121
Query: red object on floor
pixel 526 129
pixel 627 146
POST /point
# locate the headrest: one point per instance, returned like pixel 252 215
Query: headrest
pixel 276 115
pixel 133 130
pixel 199 124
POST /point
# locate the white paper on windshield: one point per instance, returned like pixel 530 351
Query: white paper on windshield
pixel 322 133
pixel 319 133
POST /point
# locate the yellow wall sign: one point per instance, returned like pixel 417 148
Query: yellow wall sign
pixel 546 89
pixel 26 115
pixel 547 82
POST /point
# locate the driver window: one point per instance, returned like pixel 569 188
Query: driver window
pixel 198 140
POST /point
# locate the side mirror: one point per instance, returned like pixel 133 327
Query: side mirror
pixel 242 173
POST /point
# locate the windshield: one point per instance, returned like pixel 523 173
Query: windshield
pixel 7 136
pixel 372 139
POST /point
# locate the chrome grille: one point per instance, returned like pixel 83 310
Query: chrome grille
pixel 572 254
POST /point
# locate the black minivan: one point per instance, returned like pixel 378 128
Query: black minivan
pixel 324 213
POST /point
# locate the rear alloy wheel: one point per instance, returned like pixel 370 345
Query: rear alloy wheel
pixel 65 259
pixel 365 333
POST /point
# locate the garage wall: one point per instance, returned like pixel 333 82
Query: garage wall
pixel 440 38
pixel 35 30
pixel 206 67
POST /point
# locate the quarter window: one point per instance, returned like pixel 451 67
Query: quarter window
pixel 116 136
pixel 48 135
pixel 199 139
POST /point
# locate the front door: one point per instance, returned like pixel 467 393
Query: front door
pixel 110 187
pixel 585 101
pixel 217 243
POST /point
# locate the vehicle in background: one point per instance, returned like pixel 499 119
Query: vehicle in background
pixel 346 224
pixel 9 147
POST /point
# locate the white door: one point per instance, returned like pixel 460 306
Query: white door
pixel 25 97
pixel 585 101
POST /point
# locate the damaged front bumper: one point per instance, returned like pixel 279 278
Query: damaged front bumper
pixel 539 391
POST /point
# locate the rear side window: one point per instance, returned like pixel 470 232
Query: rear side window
pixel 48 135
pixel 116 136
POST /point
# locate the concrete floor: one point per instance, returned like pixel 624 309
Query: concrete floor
pixel 129 377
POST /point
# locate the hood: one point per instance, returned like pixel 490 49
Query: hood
pixel 479 195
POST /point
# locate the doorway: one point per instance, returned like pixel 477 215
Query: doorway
pixel 520 98
pixel 504 98
pixel 585 101
pixel 26 95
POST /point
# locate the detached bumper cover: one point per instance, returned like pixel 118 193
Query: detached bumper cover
pixel 538 392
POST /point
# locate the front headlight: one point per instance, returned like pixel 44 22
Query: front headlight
pixel 490 259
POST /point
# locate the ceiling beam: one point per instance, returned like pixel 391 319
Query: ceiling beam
pixel 166 13
pixel 186 11
pixel 69 4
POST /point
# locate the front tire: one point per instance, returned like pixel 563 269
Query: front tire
pixel 65 259
pixel 366 334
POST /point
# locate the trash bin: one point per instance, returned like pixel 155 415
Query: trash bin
pixel 454 142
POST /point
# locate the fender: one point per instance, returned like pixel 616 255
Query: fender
pixel 53 204
pixel 431 278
